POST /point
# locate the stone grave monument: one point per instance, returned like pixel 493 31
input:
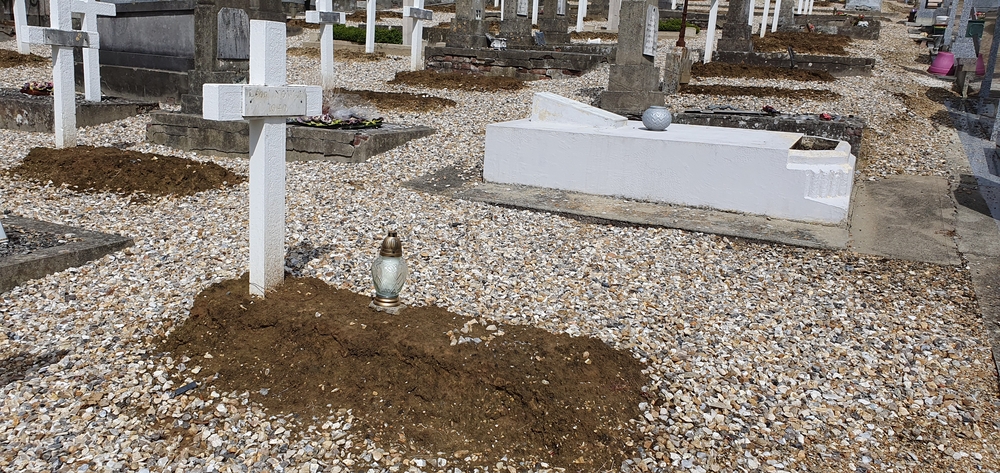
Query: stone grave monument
pixel 468 29
pixel 265 102
pixel 633 80
pixel 553 22
pixel 736 34
pixel 863 5
pixel 516 25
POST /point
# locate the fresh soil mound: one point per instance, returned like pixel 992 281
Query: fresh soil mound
pixel 300 23
pixel 9 58
pixel 456 80
pixel 339 54
pixel 730 90
pixel 442 7
pixel 721 69
pixel 427 379
pixel 394 100
pixel 802 43
pixel 90 169
pixel 362 15
pixel 602 35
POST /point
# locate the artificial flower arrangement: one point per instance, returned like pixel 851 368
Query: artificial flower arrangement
pixel 37 88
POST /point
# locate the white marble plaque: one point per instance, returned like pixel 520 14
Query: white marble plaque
pixel 522 7
pixel 652 28
pixel 561 7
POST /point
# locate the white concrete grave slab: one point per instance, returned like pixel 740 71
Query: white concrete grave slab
pixel 89 10
pixel 265 102
pixel 325 17
pixel 571 147
pixel 416 14
pixel 63 39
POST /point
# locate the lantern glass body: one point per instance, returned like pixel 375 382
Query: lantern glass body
pixel 389 274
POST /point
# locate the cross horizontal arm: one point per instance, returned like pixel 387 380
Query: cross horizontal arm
pixel 234 102
pixel 66 38
pixel 418 13
pixel 326 17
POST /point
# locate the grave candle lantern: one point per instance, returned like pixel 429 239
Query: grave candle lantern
pixel 389 271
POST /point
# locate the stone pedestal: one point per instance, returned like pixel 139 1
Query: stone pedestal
pixel 676 70
pixel 736 34
pixel 633 80
pixel 468 29
pixel 554 25
pixel 516 28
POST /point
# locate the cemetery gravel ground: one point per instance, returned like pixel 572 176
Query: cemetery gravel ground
pixel 762 357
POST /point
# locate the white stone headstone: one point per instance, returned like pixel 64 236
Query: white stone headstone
pixel 63 39
pixel 652 29
pixel 326 18
pixel 614 14
pixel 522 8
pixel 561 8
pixel 89 10
pixel 265 102
pixel 417 14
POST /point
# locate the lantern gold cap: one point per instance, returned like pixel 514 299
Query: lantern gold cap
pixel 391 246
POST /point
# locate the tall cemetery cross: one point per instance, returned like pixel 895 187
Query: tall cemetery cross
pixel 89 9
pixel 326 18
pixel 20 22
pixel 581 13
pixel 713 14
pixel 416 15
pixel 370 27
pixel 63 39
pixel 265 102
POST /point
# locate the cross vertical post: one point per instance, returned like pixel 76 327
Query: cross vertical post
pixel 370 28
pixel 777 9
pixel 763 18
pixel 90 9
pixel 326 18
pixel 416 14
pixel 581 12
pixel 265 103
pixel 713 15
pixel 20 22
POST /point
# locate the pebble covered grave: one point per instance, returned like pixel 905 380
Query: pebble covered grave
pixel 750 356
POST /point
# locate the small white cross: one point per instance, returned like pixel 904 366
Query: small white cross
pixel 63 39
pixel 20 22
pixel 370 27
pixel 264 102
pixel 326 18
pixel 417 14
pixel 90 9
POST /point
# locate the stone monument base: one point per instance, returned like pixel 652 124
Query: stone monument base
pixel 24 112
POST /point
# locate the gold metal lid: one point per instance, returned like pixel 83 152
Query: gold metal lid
pixel 391 246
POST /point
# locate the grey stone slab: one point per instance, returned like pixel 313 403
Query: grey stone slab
pixel 35 113
pixel 905 217
pixel 234 34
pixel 864 5
pixel 166 34
pixel 16 269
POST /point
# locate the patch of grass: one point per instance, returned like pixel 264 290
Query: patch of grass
pixel 674 24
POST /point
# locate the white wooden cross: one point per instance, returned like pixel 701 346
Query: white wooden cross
pixel 777 10
pixel 417 14
pixel 534 12
pixel 63 39
pixel 265 102
pixel 763 18
pixel 90 9
pixel 326 18
pixel 713 15
pixel 20 22
pixel 750 8
pixel 581 12
pixel 370 27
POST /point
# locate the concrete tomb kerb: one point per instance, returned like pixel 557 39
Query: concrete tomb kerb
pixel 265 102
pixel 566 144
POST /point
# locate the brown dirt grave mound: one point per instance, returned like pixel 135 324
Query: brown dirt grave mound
pixel 300 23
pixel 721 69
pixel 105 169
pixel 9 58
pixel 802 43
pixel 339 54
pixel 730 90
pixel 442 7
pixel 501 390
pixel 456 80
pixel 394 100
pixel 362 15
pixel 602 35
